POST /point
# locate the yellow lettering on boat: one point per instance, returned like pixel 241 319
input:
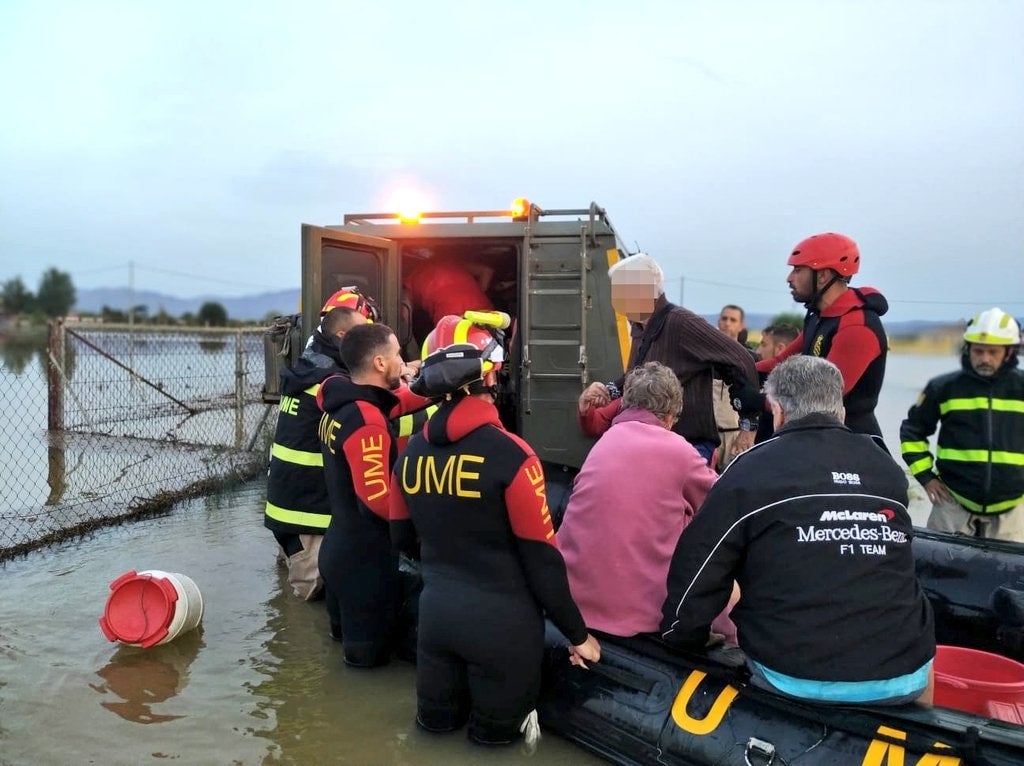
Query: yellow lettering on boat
pixel 714 716
pixel 883 753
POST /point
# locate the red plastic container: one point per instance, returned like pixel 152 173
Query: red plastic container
pixel 977 682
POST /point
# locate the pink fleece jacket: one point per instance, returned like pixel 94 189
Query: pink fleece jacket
pixel 638 488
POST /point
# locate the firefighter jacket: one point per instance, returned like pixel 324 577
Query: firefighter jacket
pixel 475 495
pixel 296 493
pixel 813 526
pixel 980 454
pixel 849 333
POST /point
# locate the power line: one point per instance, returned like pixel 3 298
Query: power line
pixel 735 286
pixel 201 278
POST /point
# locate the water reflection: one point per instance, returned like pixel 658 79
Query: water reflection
pixel 141 678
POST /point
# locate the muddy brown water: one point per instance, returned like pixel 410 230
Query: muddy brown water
pixel 258 683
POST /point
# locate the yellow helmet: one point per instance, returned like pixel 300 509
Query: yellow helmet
pixel 993 327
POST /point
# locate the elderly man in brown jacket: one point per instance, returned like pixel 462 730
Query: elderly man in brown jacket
pixel 694 350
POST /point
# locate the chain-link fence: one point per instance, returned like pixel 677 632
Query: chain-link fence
pixel 105 423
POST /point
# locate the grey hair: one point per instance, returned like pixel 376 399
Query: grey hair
pixel 644 263
pixel 653 387
pixel 803 385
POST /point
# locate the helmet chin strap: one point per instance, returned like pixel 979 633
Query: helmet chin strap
pixel 812 302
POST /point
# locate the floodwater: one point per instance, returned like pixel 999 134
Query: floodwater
pixel 258 683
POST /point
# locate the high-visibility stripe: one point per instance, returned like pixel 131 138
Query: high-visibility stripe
pixel 301 518
pixel 289 455
pixel 981 456
pixel 462 331
pixel 970 505
pixel 621 323
pixel 911 447
pixel 407 423
pixel 981 403
pixel 924 464
pixel 312 390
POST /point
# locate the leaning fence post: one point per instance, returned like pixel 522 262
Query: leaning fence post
pixel 54 376
pixel 239 392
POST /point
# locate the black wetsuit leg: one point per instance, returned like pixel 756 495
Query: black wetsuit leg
pixel 361 573
pixel 490 641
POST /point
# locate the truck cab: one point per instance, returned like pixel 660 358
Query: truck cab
pixel 548 270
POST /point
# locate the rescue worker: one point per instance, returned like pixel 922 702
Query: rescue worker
pixel 297 509
pixel 475 496
pixel 813 526
pixel 359 570
pixel 842 324
pixel 976 480
pixel 443 286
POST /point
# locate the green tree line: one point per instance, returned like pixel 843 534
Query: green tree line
pixel 56 295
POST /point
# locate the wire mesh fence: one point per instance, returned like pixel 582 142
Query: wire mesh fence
pixel 105 423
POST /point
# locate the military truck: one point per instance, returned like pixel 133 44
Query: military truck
pixel 550 275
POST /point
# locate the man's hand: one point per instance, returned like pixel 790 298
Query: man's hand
pixel 938 492
pixel 410 369
pixel 594 395
pixel 589 650
pixel 744 440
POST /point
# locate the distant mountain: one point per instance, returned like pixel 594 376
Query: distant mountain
pixel 245 307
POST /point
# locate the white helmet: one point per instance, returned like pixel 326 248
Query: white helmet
pixel 993 327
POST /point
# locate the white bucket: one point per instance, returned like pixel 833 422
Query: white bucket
pixel 189 609
pixel 151 607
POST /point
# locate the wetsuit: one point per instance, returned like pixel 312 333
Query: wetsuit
pixel 359 569
pixel 813 525
pixel 297 509
pixel 475 495
pixel 849 333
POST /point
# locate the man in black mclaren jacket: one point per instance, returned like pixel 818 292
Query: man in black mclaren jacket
pixel 813 526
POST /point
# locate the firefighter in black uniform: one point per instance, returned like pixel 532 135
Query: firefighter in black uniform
pixel 297 510
pixel 475 496
pixel 360 571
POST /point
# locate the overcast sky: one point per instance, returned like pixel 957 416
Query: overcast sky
pixel 193 138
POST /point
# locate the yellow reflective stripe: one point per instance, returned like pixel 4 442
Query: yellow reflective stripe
pixel 312 390
pixel 462 331
pixel 301 518
pixel 981 456
pixel 924 464
pixel 906 447
pixel 289 455
pixel 621 323
pixel 981 403
pixel 970 505
pixel 405 425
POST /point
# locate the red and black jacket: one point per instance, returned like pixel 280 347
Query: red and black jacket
pixel 474 495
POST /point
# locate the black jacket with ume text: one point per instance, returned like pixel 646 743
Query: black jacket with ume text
pixel 813 525
pixel 296 493
pixel 476 498
pixel 980 455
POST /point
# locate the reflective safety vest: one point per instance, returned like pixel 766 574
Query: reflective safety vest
pixel 296 493
pixel 980 453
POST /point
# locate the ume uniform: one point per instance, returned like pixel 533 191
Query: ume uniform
pixel 491 567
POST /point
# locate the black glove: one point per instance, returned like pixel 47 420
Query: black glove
pixel 745 398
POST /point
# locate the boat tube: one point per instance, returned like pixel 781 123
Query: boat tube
pixel 646 704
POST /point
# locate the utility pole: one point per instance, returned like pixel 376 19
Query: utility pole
pixel 131 293
pixel 682 291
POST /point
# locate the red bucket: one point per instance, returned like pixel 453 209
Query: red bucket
pixel 982 683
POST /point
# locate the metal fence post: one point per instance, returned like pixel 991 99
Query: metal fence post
pixel 239 392
pixel 55 376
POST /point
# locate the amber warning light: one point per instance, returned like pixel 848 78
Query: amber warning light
pixel 520 209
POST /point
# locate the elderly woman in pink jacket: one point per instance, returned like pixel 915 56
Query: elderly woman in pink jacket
pixel 638 489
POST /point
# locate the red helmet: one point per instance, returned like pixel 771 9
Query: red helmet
pixel 457 355
pixel 454 330
pixel 827 251
pixel 351 298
